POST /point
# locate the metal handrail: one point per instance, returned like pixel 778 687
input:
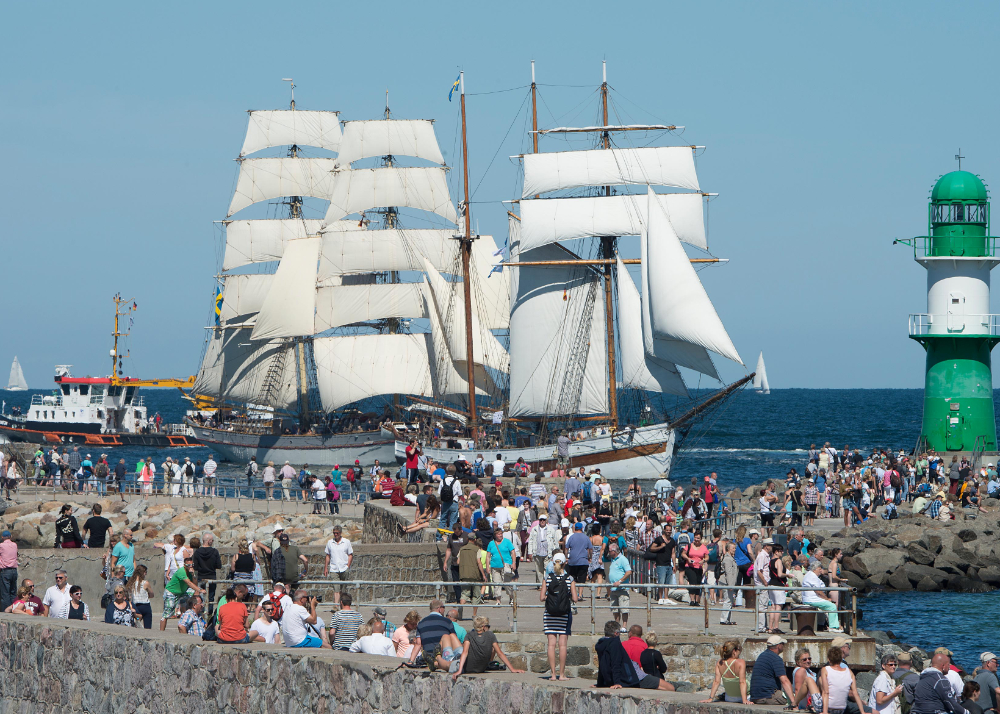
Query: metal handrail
pixel 513 586
pixel 921 324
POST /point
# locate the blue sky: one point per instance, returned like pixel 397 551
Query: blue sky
pixel 826 126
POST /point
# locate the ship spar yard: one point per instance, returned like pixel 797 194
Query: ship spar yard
pixel 444 380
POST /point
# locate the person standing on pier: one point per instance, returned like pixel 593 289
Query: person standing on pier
pixel 8 570
pixel 251 474
pixel 210 468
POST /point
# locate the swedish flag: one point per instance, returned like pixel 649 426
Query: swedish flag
pixel 218 305
pixel 454 86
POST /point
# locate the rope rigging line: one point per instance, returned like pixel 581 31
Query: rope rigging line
pixel 499 147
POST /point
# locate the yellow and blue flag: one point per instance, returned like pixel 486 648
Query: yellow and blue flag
pixel 218 305
pixel 454 86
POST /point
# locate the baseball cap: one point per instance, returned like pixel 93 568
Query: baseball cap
pixel 277 527
pixel 543 516
pixel 578 526
pixel 380 611
pixel 986 657
pixel 775 640
pixel 283 537
pixel 558 558
pixel 943 650
pixel 841 641
pixel 5 534
pixel 903 657
pixel 279 585
pixel 564 523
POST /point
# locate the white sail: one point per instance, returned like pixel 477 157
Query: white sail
pixel 389 137
pixel 548 305
pixel 290 306
pixel 237 369
pixel 547 220
pixel 450 383
pixel 490 290
pixel 640 370
pixel 658 165
pixel 263 240
pixel 284 127
pixel 16 383
pixel 426 189
pixel 267 179
pixel 449 301
pixel 679 307
pixel 346 304
pixel 383 250
pixel 760 377
pixel 242 296
pixel 351 368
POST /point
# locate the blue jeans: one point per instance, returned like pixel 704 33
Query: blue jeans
pixel 102 486
pixel 449 515
pixel 664 573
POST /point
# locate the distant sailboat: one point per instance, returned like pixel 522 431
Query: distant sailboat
pixel 760 378
pixel 16 382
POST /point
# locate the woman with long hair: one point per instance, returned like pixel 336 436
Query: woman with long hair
pixel 140 592
pixel 778 578
pixel 430 518
pixel 595 569
pixel 805 687
pixel 243 564
pixel 404 637
pixel 557 620
pixel 731 672
pixel 67 529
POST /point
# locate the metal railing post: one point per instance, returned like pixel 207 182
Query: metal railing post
pixel 513 607
pixel 854 613
pixel 756 608
pixel 649 609
pixel 704 599
pixel 593 608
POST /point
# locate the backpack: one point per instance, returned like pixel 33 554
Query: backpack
pixel 276 601
pixel 895 481
pixel 448 489
pixel 250 470
pixel 713 553
pixel 557 596
pixel 277 565
pixel 588 491
pixel 189 470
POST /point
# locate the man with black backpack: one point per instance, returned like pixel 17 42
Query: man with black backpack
pixel 448 493
pixel 251 473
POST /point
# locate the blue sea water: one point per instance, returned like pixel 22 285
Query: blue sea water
pixel 749 439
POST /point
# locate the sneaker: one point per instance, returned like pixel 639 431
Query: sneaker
pixel 432 662
pixel 835 629
pixel 623 631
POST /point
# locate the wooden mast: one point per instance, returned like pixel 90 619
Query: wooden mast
pixel 466 269
pixel 608 253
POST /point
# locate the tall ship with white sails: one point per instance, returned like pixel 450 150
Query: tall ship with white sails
pixel 586 346
pixel 309 357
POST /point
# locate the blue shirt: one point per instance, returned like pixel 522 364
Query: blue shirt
pixel 767 671
pixel 335 476
pixel 502 554
pixel 126 557
pixel 460 631
pixel 617 569
pixel 578 546
pixel 743 553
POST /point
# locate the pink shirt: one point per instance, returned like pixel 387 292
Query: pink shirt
pixel 8 554
pixel 401 641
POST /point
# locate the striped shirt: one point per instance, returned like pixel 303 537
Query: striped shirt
pixel 345 623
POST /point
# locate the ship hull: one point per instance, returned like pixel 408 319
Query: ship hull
pixel 645 453
pixel 89 435
pixel 312 449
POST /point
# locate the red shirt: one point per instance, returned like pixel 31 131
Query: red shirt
pixel 412 453
pixel 232 621
pixel 634 646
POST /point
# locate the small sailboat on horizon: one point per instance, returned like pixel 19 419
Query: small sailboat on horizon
pixel 760 384
pixel 16 383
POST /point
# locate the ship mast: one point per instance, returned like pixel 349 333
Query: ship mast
pixel 466 260
pixel 608 253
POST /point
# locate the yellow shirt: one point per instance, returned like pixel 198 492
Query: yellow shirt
pixel 514 513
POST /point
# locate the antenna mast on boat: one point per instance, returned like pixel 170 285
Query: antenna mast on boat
pixel 466 260
pixel 608 253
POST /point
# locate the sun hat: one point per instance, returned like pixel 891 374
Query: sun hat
pixel 768 541
pixel 775 640
pixel 841 641
pixel 558 558
pixel 564 523
pixel 277 527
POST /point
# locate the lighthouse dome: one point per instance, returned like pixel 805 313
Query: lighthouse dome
pixel 959 186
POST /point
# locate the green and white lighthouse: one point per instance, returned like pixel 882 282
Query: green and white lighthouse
pixel 957 331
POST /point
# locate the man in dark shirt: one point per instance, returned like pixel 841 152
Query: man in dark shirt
pixel 120 472
pixel 769 678
pixel 436 631
pixel 96 529
pixel 663 545
pixel 206 563
pixel 422 498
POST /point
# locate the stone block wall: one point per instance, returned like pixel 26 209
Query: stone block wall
pixel 56 667
pixel 387 563
pixel 691 659
pixel 381 523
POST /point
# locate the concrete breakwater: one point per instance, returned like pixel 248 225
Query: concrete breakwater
pixel 90 667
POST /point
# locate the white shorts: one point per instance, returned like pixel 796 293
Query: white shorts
pixel 777 597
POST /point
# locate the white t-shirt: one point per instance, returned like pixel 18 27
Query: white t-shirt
pixel 498 467
pixel 319 490
pixel 663 487
pixel 376 644
pixel 57 601
pixel 765 504
pixel 269 630
pixel 293 625
pixel 811 580
pixel 956 683
pixel 502 516
pixel 884 684
pixel 338 553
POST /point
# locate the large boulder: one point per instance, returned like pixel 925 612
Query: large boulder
pixel 856 566
pixel 927 585
pixel 989 575
pixel 855 546
pixel 967 534
pixel 881 560
pixel 932 542
pixel 854 581
pixel 916 573
pixel 948 563
pixel 962 553
pixel 899 580
pixel 919 554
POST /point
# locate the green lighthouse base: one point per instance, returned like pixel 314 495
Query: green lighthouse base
pixel 958 393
